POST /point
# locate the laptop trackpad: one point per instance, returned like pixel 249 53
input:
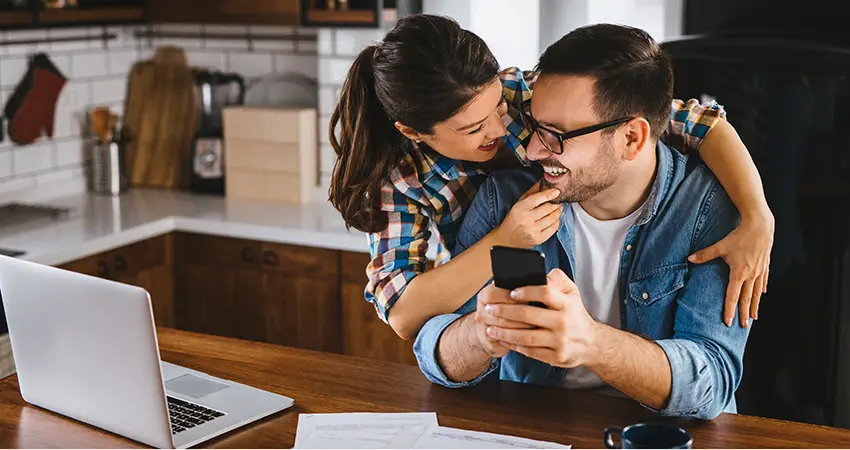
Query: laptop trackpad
pixel 195 387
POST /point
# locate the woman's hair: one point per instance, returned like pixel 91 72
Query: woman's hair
pixel 423 72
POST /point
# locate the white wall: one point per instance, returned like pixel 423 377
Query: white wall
pixel 509 27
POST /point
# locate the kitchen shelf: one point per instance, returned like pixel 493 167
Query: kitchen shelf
pixel 94 15
pixel 13 18
pixel 351 17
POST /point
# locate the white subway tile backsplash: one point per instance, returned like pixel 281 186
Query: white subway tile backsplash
pixel 5 164
pixel 63 63
pixel 287 46
pixel 251 64
pixel 17 185
pixel 22 35
pixel 307 65
pixel 59 175
pixel 12 70
pixel 209 32
pixel 90 65
pixel 31 158
pixel 121 61
pixel 124 37
pixel 98 75
pixel 324 123
pixel 327 158
pixel 328 96
pixel 306 47
pixel 69 46
pixel 353 41
pixel 108 91
pixel 69 152
pixel 334 70
pixel 207 60
pixel 326 38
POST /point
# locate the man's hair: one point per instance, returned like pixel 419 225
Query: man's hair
pixel 633 75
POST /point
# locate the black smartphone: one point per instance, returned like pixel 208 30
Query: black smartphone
pixel 518 267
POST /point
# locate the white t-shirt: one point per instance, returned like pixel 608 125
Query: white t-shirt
pixel 598 245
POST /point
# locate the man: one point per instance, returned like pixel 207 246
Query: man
pixel 639 318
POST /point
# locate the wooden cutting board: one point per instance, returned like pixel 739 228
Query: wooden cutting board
pixel 160 120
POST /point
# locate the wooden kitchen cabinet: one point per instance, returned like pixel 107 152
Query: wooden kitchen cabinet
pixel 147 264
pixel 364 334
pixel 289 295
pixel 281 294
pixel 243 12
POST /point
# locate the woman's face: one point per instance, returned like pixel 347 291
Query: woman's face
pixel 475 132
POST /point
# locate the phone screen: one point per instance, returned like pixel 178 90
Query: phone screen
pixel 517 267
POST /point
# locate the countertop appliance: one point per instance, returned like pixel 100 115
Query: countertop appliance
pixel 215 91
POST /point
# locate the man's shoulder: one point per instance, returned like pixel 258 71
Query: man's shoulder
pixel 697 193
pixel 505 187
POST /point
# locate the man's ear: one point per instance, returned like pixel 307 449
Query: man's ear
pixel 637 133
pixel 408 132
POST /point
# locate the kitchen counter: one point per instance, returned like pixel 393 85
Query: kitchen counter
pixel 99 223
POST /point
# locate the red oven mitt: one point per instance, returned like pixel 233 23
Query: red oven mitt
pixel 31 109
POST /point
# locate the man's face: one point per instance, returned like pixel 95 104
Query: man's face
pixel 590 163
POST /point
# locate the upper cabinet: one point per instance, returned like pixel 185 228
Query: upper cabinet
pixel 46 13
pixel 253 12
pixel 341 13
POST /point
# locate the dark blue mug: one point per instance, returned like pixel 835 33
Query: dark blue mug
pixel 648 435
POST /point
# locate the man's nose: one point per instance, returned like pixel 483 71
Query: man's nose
pixel 536 150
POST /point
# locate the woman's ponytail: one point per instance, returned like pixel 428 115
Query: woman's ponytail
pixel 363 137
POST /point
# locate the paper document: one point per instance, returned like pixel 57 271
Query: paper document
pixel 441 437
pixel 362 430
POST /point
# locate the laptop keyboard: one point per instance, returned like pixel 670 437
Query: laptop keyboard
pixel 185 415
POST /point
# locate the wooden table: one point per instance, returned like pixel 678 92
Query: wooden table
pixel 322 382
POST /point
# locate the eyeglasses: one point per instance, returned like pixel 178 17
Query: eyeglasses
pixel 553 140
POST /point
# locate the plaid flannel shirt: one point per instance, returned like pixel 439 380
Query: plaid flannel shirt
pixel 428 192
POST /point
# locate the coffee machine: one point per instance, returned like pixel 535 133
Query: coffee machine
pixel 214 91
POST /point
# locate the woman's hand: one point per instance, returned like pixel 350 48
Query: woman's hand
pixel 532 220
pixel 747 251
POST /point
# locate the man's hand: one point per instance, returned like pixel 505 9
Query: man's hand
pixel 491 296
pixel 560 335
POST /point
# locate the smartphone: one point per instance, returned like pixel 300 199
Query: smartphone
pixel 518 267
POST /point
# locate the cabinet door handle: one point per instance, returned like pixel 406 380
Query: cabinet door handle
pixel 102 269
pixel 120 263
pixel 270 258
pixel 248 255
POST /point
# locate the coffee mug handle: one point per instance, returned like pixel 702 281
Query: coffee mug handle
pixel 608 436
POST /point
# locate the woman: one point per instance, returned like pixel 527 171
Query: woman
pixel 418 127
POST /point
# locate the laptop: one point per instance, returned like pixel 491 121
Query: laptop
pixel 87 348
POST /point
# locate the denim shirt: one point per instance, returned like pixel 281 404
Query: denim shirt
pixel 665 298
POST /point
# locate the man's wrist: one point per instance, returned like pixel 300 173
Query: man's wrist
pixel 595 348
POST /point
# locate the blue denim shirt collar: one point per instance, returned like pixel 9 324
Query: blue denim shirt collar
pixel 658 192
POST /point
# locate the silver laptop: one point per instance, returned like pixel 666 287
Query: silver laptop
pixel 86 348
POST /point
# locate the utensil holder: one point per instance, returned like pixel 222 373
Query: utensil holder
pixel 108 172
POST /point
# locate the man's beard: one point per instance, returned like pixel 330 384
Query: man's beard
pixel 584 183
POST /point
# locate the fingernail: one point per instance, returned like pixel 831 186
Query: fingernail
pixel 489 309
pixel 555 193
pixel 692 258
pixel 746 324
pixel 491 332
pixel 514 294
pixel 728 321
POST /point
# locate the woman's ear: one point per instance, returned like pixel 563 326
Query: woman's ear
pixel 408 132
pixel 637 133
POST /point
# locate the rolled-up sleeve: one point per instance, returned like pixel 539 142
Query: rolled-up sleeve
pixel 706 356
pixel 427 342
pixel 690 123
pixel 479 220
